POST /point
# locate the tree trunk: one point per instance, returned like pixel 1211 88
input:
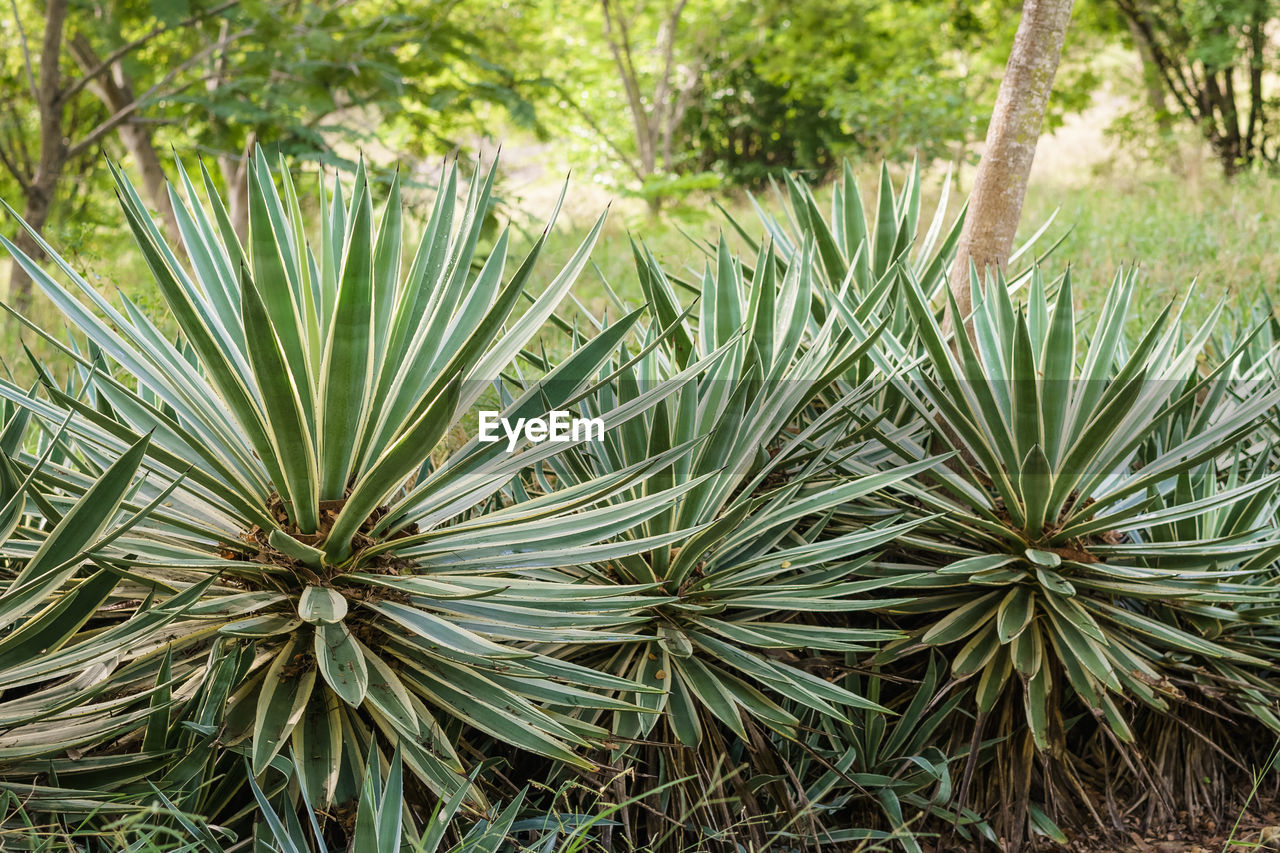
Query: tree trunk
pixel 995 205
pixel 53 153
pixel 1151 82
pixel 137 141
pixel 235 175
pixel 115 90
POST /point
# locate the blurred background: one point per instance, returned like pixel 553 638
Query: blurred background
pixel 1158 149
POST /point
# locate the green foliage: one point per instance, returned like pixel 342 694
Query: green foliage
pixel 886 77
pixel 828 573
pixel 897 756
pixel 1103 531
pixel 747 128
pixel 292 432
pixel 739 552
pixel 1212 63
pixel 1100 507
pixel 417 68
pixel 380 825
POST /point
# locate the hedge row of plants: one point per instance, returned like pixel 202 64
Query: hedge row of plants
pixel 833 577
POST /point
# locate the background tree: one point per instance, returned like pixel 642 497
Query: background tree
pixel 225 75
pixel 900 77
pixel 323 79
pixel 1213 60
pixel 895 80
pixel 888 85
pixel 658 66
pixel 68 133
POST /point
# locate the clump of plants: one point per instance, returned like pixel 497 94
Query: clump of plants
pixel 1102 536
pixel 830 576
pixel 314 544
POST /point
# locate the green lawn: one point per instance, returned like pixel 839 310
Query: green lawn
pixel 1179 230
pixel 1221 235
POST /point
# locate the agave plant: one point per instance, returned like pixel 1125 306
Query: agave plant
pixel 382 823
pixel 93 824
pixel 1104 522
pixel 55 697
pixel 861 246
pixel 337 570
pixel 741 556
pixel 762 600
pixel 56 701
pixel 899 757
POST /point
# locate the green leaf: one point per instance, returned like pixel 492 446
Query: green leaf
pixel 963 621
pixel 299 551
pixel 1044 559
pixel 1017 609
pixel 347 367
pixel 320 604
pixel 83 523
pixel 281 701
pixel 1036 699
pixel 285 404
pixel 341 662
pixel 317 747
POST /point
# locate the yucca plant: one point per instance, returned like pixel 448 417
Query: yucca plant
pixel 54 695
pixel 338 571
pixel 862 247
pixel 741 554
pixel 383 822
pixel 860 244
pixel 752 585
pixel 1101 530
pixel 96 825
pixel 895 767
pixel 55 700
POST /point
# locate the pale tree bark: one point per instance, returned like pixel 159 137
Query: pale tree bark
pixel 654 118
pixel 1000 187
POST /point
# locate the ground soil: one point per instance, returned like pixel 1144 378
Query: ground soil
pixel 1254 829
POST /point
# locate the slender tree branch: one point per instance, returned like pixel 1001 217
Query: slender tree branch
pixel 20 141
pixel 19 152
pixel 50 51
pixel 26 49
pixel 667 46
pixel 11 165
pixel 129 47
pixel 621 50
pixel 1230 112
pixel 219 64
pixel 623 156
pixel 675 115
pixel 1185 96
pixel 158 90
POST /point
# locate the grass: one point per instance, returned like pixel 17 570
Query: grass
pixel 1177 229
pixel 1179 225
